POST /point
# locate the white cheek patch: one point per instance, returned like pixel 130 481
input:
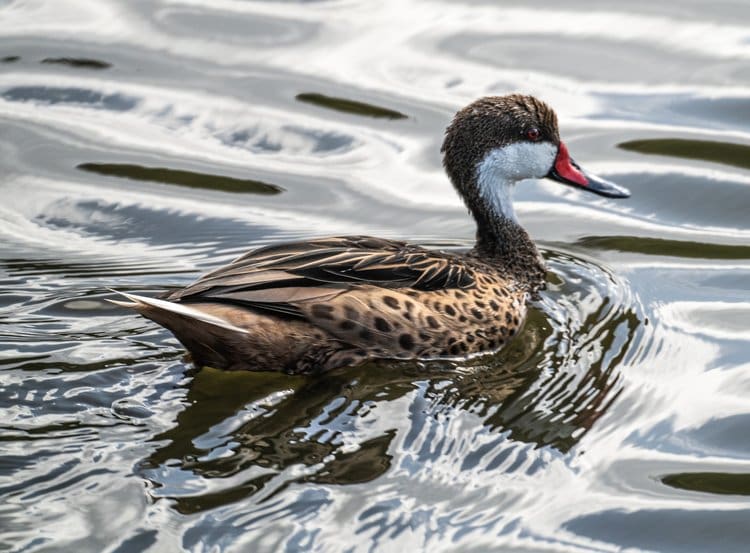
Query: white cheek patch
pixel 503 167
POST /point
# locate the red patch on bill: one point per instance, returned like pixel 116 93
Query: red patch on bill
pixel 565 169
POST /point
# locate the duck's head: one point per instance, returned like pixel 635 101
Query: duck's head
pixel 499 140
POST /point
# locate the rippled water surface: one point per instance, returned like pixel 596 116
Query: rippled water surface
pixel 142 143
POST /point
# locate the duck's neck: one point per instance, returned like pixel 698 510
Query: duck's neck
pixel 501 241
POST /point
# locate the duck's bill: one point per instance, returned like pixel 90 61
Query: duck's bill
pixel 567 171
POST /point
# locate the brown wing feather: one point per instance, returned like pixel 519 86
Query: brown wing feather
pixel 276 278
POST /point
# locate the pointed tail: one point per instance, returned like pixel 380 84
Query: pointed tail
pixel 151 307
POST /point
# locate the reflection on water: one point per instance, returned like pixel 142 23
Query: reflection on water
pixel 671 248
pixel 182 178
pixel 348 106
pixel 684 530
pixel 148 142
pixel 54 95
pixel 78 63
pixel 736 155
pixel 710 482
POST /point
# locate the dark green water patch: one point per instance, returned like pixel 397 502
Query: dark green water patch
pixel 83 63
pixel 669 248
pixel 724 483
pixel 348 106
pixel 727 153
pixel 181 178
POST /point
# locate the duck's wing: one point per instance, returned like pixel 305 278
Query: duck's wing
pixel 278 278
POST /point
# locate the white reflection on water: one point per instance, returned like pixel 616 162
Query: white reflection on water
pixel 718 320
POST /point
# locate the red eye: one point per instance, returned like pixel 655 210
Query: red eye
pixel 533 134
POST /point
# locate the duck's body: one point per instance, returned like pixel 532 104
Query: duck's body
pixel 317 305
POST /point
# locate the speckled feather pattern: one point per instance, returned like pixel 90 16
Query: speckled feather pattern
pixel 321 304
pixel 408 324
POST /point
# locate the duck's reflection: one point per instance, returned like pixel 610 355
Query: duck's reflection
pixel 540 390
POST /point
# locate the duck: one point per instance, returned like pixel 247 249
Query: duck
pixel 312 306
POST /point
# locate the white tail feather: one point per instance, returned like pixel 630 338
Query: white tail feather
pixel 178 308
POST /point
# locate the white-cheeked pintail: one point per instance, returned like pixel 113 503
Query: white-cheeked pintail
pixel 312 306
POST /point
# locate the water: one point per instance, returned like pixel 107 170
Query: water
pixel 145 142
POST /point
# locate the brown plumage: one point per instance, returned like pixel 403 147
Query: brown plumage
pixel 312 306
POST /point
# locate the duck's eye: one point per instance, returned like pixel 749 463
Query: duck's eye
pixel 533 134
